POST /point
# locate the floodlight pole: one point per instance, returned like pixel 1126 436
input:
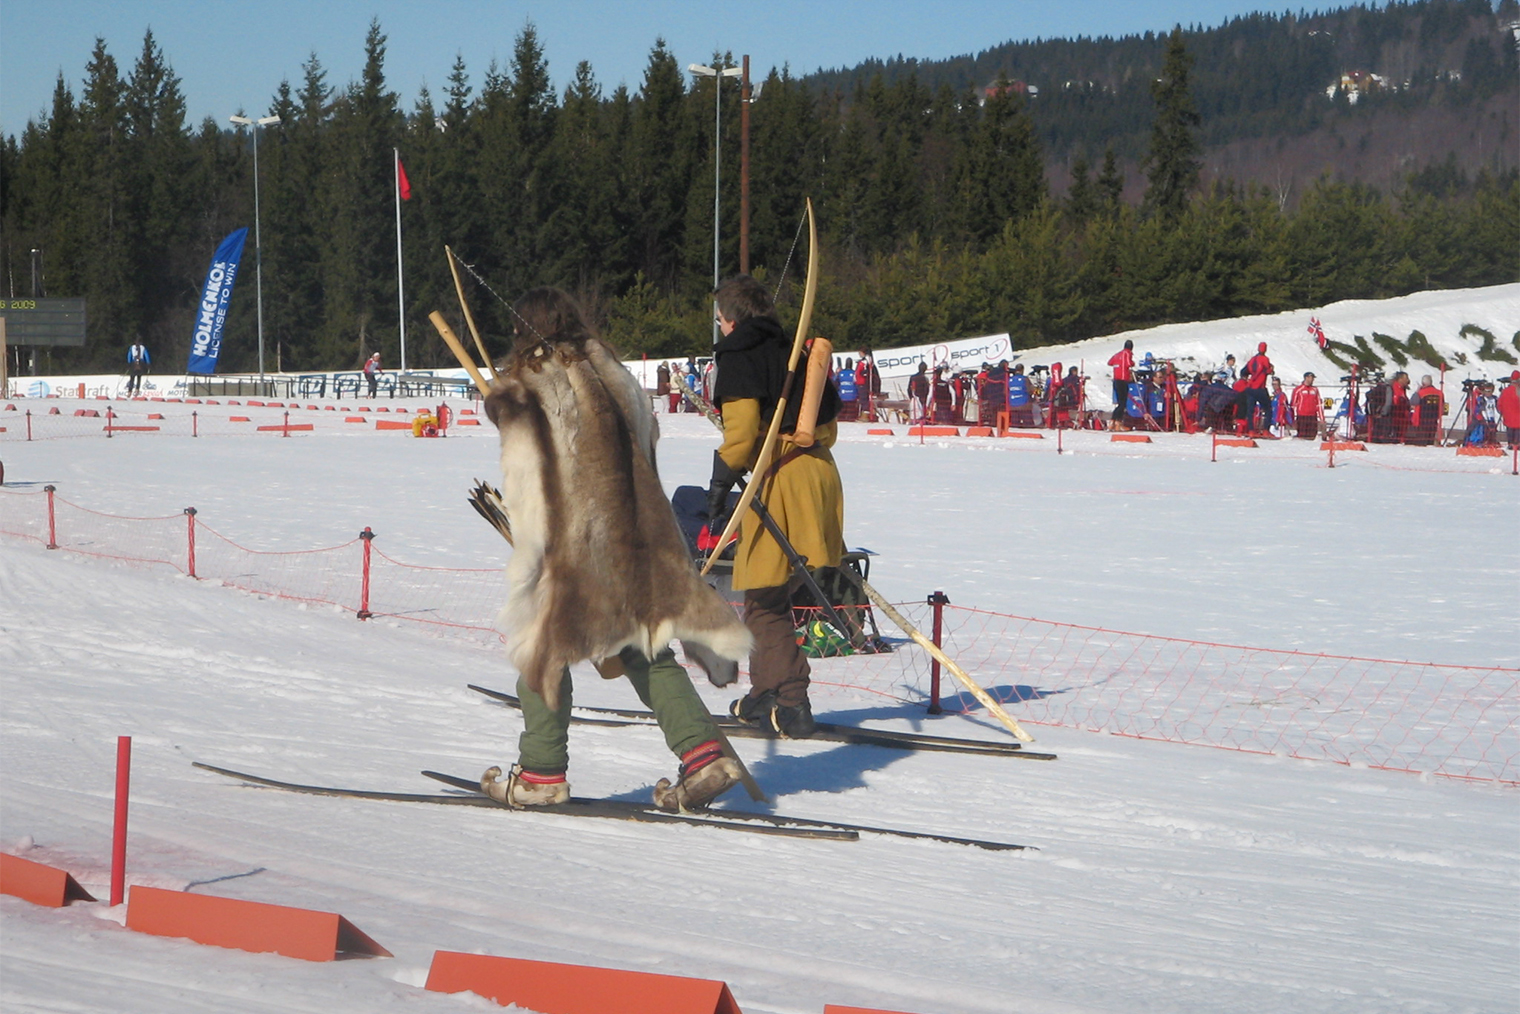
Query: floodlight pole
pixel 717 74
pixel 258 248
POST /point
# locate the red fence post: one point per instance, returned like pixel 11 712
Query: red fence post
pixel 287 425
pixel 119 832
pixel 110 415
pixel 939 601
pixel 364 613
pixel 52 520
pixel 190 517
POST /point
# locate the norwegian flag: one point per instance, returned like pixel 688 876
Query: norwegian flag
pixel 1318 332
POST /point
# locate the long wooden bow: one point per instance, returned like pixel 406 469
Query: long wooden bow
pixel 768 448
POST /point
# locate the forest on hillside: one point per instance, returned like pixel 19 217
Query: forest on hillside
pixel 1261 74
pixel 936 215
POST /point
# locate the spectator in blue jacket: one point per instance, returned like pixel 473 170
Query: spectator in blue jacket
pixel 849 397
pixel 138 362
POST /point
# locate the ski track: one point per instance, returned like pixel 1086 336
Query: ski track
pixel 1168 878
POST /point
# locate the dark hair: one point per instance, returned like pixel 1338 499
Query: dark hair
pixel 1129 343
pixel 548 314
pixel 741 297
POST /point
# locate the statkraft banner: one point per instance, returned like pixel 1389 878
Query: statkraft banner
pixel 961 354
pixel 211 314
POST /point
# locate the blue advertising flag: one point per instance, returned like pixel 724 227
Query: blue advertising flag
pixel 211 314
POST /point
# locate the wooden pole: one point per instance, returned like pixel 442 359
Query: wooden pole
pixel 457 347
pixel 934 650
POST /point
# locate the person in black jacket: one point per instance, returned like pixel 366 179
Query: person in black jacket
pixel 801 488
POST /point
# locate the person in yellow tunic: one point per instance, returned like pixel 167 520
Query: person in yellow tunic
pixel 801 489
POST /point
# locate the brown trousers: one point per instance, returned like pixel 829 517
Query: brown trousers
pixel 775 662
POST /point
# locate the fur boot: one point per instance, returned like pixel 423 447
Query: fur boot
pixel 524 788
pixel 705 775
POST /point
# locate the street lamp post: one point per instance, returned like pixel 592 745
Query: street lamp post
pixel 717 74
pixel 258 250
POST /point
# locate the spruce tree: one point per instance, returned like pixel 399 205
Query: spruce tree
pixel 1172 163
pixel 1081 198
pixel 1110 184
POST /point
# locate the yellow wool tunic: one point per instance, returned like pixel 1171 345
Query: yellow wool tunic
pixel 802 492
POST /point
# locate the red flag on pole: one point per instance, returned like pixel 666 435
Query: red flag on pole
pixel 403 185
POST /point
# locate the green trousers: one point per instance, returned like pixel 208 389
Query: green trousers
pixel 663 686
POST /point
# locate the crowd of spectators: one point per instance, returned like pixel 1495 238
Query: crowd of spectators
pixel 1151 394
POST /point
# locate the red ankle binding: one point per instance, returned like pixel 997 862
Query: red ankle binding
pixel 699 757
pixel 534 778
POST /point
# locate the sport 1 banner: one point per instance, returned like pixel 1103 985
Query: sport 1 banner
pixel 211 314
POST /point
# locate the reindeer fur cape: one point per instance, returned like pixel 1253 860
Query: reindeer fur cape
pixel 598 562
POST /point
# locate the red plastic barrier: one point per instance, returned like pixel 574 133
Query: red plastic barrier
pixel 39 884
pixel 934 431
pixel 1132 438
pixel 552 988
pixel 247 925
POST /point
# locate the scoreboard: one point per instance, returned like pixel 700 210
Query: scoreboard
pixel 43 321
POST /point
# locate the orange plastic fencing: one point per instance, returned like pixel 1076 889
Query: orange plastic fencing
pixel 462 601
pixel 1449 720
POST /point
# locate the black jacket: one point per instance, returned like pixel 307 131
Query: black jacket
pixel 751 363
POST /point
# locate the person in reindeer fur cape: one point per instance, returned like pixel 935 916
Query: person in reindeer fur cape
pixel 599 568
pixel 801 489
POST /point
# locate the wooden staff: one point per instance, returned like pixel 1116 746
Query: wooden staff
pixel 452 341
pixel 469 318
pixel 945 660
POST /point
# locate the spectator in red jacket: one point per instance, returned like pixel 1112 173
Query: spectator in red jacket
pixel 1399 413
pixel 1123 363
pixel 1509 407
pixel 1258 369
pixel 1305 401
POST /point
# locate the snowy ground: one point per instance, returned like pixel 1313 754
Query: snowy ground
pixel 1167 877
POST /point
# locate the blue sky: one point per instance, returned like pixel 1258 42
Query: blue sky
pixel 232 54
